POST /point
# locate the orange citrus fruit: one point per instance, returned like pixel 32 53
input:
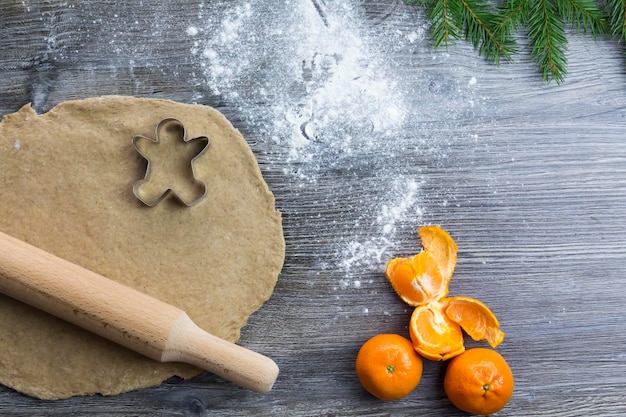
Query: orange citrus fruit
pixel 424 277
pixel 433 334
pixel 422 281
pixel 417 280
pixel 388 367
pixel 441 245
pixel 475 318
pixel 479 381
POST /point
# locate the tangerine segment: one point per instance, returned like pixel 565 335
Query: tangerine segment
pixel 388 367
pixel 442 247
pixel 475 318
pixel 433 334
pixel 417 280
pixel 479 381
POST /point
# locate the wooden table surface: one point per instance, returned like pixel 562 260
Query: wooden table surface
pixel 364 133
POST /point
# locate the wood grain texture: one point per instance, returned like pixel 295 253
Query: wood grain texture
pixel 529 178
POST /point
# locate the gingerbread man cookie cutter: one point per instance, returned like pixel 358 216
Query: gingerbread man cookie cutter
pixel 164 191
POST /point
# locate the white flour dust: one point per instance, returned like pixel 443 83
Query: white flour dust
pixel 376 249
pixel 336 99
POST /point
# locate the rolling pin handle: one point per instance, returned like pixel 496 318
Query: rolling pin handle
pixel 190 344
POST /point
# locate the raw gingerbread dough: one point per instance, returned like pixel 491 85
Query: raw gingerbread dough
pixel 66 179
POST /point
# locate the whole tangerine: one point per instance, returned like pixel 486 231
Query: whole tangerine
pixel 388 366
pixel 479 381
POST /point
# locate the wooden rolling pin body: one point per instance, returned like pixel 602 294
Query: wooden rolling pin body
pixel 123 315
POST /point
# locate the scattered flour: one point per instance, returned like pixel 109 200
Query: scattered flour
pixel 336 98
pixel 375 250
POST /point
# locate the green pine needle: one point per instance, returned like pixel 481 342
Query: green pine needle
pixel 547 34
pixel 583 15
pixel 473 20
pixel 617 19
pixel 482 31
pixel 512 16
pixel 446 23
pixel 492 30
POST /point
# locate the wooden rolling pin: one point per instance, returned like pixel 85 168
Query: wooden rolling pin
pixel 123 315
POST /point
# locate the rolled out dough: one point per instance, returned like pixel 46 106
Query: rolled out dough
pixel 67 178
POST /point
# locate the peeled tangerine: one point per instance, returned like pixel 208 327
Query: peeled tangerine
pixel 424 278
pixel 422 281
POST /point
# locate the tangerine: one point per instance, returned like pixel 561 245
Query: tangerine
pixel 441 245
pixel 433 334
pixel 417 280
pixel 388 367
pixel 422 281
pixel 475 318
pixel 479 381
pixel 425 277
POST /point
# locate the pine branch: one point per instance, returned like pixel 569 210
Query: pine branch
pixel 492 31
pixel 470 19
pixel 481 30
pixel 446 21
pixel 617 19
pixel 582 14
pixel 512 16
pixel 547 34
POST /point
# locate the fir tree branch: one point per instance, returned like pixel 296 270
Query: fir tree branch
pixel 547 34
pixel 446 21
pixel 470 19
pixel 511 17
pixel 492 31
pixel 585 14
pixel 481 31
pixel 617 19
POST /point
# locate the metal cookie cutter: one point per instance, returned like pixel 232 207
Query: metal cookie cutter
pixel 151 202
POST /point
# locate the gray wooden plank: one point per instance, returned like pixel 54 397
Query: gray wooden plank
pixel 529 178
